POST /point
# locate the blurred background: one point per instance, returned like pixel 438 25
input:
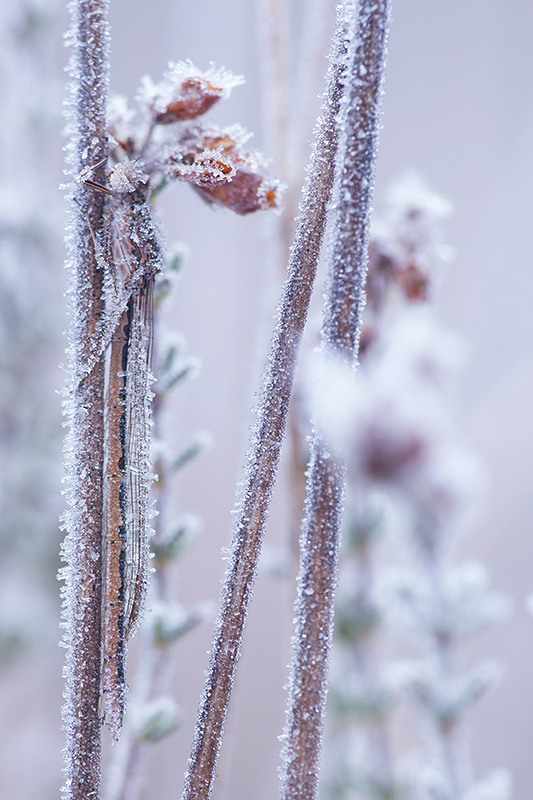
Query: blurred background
pixel 458 108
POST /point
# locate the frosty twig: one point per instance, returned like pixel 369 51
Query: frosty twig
pixel 84 447
pixel 340 334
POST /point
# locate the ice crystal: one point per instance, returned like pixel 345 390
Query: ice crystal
pixel 127 177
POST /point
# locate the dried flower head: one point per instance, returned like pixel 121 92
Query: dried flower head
pixel 406 251
pixel 186 92
pixel 224 172
pixel 248 191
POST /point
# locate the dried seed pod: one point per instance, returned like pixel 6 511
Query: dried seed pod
pixel 246 192
pixel 208 168
pixel 186 92
pixel 414 281
pixel 221 169
pixel 194 97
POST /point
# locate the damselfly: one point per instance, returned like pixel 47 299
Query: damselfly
pixel 130 254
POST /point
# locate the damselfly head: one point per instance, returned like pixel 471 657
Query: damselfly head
pixel 127 178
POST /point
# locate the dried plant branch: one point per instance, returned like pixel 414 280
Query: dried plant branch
pixel 266 444
pixel 84 447
pixel 340 335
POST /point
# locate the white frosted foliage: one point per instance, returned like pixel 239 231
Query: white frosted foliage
pixel 496 786
pixel 156 719
pixel 466 603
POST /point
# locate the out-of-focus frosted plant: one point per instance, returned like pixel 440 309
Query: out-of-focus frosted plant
pixel 393 422
pixel 30 314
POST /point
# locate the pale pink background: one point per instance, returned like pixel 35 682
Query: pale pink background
pixel 458 107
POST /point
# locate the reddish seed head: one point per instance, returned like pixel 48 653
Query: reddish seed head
pixel 246 192
pixel 193 98
pixel 222 171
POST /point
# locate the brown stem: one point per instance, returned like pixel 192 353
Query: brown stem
pixel 340 335
pixel 84 447
pixel 266 446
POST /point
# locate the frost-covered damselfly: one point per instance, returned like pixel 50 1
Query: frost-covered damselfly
pixel 130 255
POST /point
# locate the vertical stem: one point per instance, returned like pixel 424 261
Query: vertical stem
pixel 358 124
pixel 266 445
pixel 84 447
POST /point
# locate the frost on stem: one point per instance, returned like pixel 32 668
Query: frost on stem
pixel 265 446
pixel 367 26
pixel 84 406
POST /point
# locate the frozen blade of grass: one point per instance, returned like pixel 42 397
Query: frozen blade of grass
pixel 266 442
pixel 84 407
pixel 354 179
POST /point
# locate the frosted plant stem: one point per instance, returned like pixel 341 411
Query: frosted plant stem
pixel 266 443
pixel 84 447
pixel 359 119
